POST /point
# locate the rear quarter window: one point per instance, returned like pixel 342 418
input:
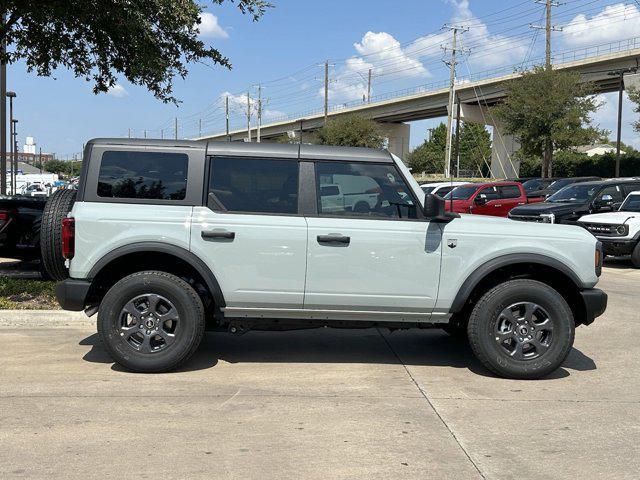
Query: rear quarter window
pixel 143 175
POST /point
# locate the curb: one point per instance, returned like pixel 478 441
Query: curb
pixel 44 318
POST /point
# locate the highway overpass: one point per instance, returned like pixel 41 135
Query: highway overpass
pixel 476 93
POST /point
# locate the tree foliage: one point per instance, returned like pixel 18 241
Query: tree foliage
pixel 68 168
pixel 149 42
pixel 634 95
pixel 475 150
pixel 574 164
pixel 351 131
pixel 549 110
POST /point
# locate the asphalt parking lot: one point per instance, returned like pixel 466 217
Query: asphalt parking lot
pixel 321 404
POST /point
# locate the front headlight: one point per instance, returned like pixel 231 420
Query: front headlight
pixel 621 230
pixel 548 218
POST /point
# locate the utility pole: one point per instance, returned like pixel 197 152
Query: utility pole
pixel 40 160
pixel 259 111
pixel 548 28
pixel 14 155
pixel 129 133
pixel 199 127
pixel 620 73
pixel 162 133
pixel 144 133
pixel 452 85
pixel 326 91
pixel 3 116
pixel 248 117
pixel 226 107
pixel 175 128
pixel 11 96
pixel 369 88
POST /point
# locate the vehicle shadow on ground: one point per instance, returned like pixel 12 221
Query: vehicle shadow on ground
pixel 373 346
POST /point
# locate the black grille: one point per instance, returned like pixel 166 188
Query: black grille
pixel 604 229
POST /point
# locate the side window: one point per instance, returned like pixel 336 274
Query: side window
pixel 443 191
pixel 363 189
pixel 490 193
pixel 614 191
pixel 148 175
pixel 628 188
pixel 255 185
pixel 509 191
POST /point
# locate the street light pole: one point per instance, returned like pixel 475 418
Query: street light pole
pixel 11 96
pixel 15 156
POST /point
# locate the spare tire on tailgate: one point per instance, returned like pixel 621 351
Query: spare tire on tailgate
pixel 58 206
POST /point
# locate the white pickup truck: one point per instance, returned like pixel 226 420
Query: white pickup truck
pixel 618 231
pixel 168 238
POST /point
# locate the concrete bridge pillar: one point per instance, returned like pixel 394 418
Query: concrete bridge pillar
pixel 397 135
pixel 503 145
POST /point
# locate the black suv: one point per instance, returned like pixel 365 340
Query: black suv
pixel 578 199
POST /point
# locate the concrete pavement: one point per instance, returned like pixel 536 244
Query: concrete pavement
pixel 322 404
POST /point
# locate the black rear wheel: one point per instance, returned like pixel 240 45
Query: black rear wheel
pixel 521 329
pixel 151 321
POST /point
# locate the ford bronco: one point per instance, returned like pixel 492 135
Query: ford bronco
pixel 168 238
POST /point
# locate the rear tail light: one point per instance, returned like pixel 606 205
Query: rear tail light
pixel 68 237
pixel 5 218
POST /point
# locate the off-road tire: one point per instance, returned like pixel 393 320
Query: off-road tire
pixel 635 256
pixel 57 207
pixel 487 312
pixel 191 321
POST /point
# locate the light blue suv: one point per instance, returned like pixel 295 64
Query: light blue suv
pixel 168 238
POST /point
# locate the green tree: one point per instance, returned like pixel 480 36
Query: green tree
pixel 634 95
pixel 149 42
pixel 56 166
pixel 351 131
pixel 429 157
pixel 475 147
pixel 549 110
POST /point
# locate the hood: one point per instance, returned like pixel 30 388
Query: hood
pixel 504 227
pixel 548 207
pixel 610 218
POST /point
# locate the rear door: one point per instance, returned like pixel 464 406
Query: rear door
pixel 384 259
pixel 510 197
pixel 250 233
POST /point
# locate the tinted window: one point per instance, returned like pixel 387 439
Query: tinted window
pixel 428 190
pixel 575 193
pixel 463 192
pixel 490 193
pixel 631 204
pixel 443 191
pixel 614 191
pixel 627 188
pixel 509 191
pixel 255 185
pixel 365 189
pixel 150 175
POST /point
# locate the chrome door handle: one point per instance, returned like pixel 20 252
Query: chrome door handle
pixel 218 235
pixel 498 205
pixel 334 239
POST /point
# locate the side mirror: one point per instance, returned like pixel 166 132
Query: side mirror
pixel 605 202
pixel 434 209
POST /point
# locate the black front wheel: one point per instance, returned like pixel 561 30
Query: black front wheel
pixel 151 321
pixel 521 329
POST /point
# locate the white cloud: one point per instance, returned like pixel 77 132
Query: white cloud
pixel 209 26
pixel 117 91
pixel 238 105
pixel 387 57
pixel 615 22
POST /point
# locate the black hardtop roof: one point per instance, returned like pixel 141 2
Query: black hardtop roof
pixel 608 181
pixel 262 149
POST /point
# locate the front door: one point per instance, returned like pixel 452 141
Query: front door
pixel 378 257
pixel 250 234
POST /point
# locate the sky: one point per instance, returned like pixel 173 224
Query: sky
pixel 285 52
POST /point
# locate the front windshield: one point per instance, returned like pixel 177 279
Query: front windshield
pixel 558 184
pixel 575 193
pixel 631 204
pixel 462 192
pixel 531 185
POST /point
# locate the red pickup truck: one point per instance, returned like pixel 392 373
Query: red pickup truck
pixel 495 198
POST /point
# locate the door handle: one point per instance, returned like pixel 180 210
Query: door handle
pixel 334 239
pixel 498 205
pixel 217 235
